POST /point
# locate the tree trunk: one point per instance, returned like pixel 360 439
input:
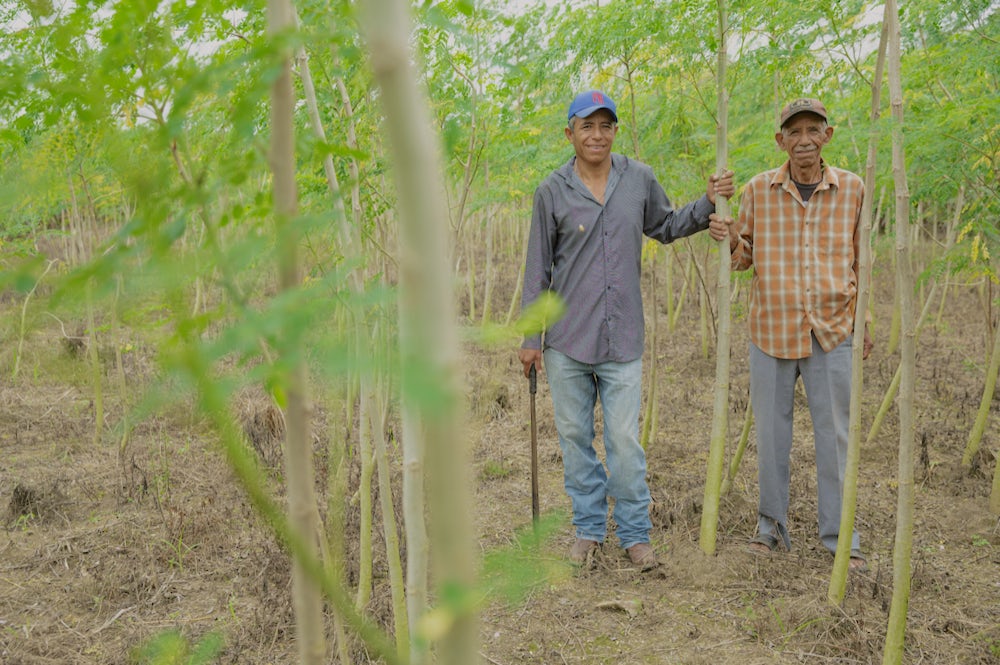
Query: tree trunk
pixel 22 328
pixel 123 391
pixel 976 435
pixel 489 270
pixel 398 591
pixel 332 544
pixel 895 321
pixel 890 394
pixel 901 558
pixel 995 493
pixel 949 240
pixel 515 299
pixel 303 516
pixel 687 273
pixel 365 502
pixel 720 408
pixel 430 393
pixel 741 447
pixel 849 499
pixel 703 319
pixel 668 288
pixel 96 374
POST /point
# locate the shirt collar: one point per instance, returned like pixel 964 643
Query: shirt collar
pixel 782 177
pixel 619 163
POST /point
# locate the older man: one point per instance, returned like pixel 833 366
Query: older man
pixel 798 229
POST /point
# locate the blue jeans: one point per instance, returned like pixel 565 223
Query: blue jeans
pixel 575 387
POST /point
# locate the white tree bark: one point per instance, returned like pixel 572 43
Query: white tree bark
pixel 431 396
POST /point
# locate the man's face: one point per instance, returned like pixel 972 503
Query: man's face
pixel 593 136
pixel 803 138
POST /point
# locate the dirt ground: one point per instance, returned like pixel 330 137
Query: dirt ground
pixel 104 548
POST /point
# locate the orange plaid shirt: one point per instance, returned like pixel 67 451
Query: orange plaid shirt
pixel 805 260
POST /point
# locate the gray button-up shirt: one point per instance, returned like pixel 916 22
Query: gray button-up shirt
pixel 589 254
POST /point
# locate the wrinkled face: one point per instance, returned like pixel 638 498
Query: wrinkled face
pixel 803 138
pixel 593 136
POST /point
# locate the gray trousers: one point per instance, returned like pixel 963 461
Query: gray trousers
pixel 827 380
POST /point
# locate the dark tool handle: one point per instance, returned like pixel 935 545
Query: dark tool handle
pixel 532 388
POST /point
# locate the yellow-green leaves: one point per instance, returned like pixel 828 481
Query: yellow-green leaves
pixel 541 314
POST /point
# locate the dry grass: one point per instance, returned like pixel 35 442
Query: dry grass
pixel 106 546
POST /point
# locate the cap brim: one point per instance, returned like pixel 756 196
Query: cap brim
pixel 813 111
pixel 591 110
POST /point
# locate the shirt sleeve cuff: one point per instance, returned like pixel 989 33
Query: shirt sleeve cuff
pixel 703 207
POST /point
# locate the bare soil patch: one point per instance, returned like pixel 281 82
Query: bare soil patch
pixel 105 547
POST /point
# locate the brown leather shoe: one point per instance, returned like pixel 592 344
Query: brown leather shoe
pixel 581 550
pixel 643 556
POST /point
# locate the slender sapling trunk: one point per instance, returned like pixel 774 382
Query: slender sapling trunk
pixel 720 408
pixel 901 557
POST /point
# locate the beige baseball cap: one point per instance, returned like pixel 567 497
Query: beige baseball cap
pixel 802 105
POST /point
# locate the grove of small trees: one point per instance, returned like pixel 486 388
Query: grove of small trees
pixel 323 204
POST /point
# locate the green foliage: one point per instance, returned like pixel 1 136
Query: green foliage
pixel 494 334
pixel 495 469
pixel 147 124
pixel 172 648
pixel 541 314
pixel 156 115
pixel 508 576
pixel 510 573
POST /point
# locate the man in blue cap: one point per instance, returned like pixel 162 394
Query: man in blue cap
pixel 585 244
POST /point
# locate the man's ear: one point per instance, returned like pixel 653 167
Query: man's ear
pixel 779 139
pixel 569 134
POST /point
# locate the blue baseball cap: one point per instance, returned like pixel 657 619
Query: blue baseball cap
pixel 586 103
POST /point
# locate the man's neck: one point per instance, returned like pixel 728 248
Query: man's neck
pixel 807 176
pixel 594 176
pixel 589 171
